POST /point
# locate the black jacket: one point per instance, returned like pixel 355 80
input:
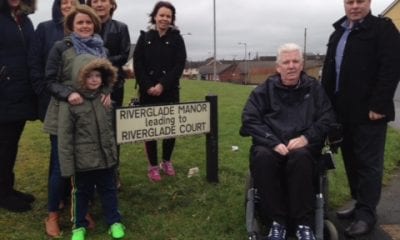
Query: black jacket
pixel 17 98
pixel 46 34
pixel 275 113
pixel 369 73
pixel 159 60
pixel 116 39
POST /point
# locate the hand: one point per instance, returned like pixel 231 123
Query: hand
pixel 75 99
pixel 106 100
pixel 158 89
pixel 281 149
pixel 375 116
pixel 297 143
pixel 150 91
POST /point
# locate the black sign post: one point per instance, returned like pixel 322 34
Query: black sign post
pixel 212 141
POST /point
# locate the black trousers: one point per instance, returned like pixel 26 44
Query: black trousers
pixel 363 150
pixel 10 133
pixel 285 184
pixel 167 148
pixel 83 187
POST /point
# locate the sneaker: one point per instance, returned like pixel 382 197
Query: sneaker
pixel 154 174
pixel 277 232
pixel 117 231
pixel 304 233
pixel 78 234
pixel 167 168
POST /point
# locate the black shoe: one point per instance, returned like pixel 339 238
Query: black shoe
pixel 346 213
pixel 14 204
pixel 358 228
pixel 29 198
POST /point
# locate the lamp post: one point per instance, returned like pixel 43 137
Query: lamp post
pixel 246 67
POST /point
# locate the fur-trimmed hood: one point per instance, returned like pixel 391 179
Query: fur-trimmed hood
pixel 26 7
pixel 85 63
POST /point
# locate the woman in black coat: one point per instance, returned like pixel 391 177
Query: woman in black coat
pixel 159 60
pixel 17 98
pixel 116 39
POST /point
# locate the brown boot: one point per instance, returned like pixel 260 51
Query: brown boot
pixel 51 222
pixel 91 224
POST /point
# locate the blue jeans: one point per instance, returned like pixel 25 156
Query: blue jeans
pixel 83 185
pixel 58 187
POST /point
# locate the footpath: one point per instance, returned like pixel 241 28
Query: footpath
pixel 388 226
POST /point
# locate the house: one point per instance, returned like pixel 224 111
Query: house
pixel 248 72
pixel 256 72
pixel 206 71
pixel 393 12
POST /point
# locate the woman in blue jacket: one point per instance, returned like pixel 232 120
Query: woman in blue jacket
pixel 17 98
pixel 46 34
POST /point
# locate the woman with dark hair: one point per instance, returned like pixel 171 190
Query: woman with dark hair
pixel 81 27
pixel 46 34
pixel 17 98
pixel 159 58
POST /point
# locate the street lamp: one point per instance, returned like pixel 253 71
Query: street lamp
pixel 246 67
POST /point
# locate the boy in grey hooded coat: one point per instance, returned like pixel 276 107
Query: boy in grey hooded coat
pixel 87 145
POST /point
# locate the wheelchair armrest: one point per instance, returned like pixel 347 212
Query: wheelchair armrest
pixel 327 160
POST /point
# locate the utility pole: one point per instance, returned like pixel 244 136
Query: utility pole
pixel 215 46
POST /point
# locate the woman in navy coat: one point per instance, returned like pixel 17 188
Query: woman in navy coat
pixel 17 99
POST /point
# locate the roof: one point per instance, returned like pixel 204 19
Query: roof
pixel 209 69
pixel 390 7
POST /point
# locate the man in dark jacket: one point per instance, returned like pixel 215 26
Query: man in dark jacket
pixel 288 117
pixel 360 75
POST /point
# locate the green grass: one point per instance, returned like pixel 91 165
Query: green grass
pixel 176 208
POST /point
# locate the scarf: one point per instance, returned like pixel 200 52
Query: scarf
pixel 93 45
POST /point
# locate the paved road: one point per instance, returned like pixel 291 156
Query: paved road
pixel 396 123
pixel 388 226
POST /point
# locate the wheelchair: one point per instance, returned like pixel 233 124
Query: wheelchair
pixel 324 228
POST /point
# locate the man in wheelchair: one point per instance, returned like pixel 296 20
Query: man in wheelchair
pixel 288 118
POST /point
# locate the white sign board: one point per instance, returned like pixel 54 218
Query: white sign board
pixel 166 121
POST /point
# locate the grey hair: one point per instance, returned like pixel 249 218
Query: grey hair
pixel 288 47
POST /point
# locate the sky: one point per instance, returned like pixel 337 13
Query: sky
pixel 263 25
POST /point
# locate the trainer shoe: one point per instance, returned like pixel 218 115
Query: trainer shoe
pixel 167 168
pixel 154 174
pixel 277 232
pixel 304 233
pixel 117 231
pixel 78 234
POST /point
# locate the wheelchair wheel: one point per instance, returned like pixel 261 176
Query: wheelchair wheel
pixel 252 222
pixel 330 231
